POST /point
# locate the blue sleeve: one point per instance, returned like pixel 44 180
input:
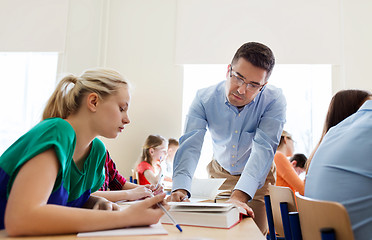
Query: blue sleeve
pixel 188 153
pixel 265 143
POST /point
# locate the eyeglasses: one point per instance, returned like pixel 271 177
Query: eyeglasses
pixel 238 80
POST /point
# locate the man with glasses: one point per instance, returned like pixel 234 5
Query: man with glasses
pixel 245 118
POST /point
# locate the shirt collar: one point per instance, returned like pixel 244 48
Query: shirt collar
pixel 367 105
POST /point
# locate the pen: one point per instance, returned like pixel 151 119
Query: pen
pixel 160 179
pixel 170 216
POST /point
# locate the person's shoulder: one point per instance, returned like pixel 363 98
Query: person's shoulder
pixel 58 124
pixel 53 128
pixel 273 92
pixel 366 106
pixel 98 144
pixel 55 121
pixel 272 96
pixel 211 92
pixel 143 166
pixel 279 157
pixel 99 149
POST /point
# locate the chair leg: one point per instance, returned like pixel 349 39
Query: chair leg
pixel 294 222
pixel 270 219
pixel 285 220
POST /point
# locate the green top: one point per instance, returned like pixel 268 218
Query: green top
pixel 72 186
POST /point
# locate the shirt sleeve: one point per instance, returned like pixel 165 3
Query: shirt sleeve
pixel 285 170
pixel 143 166
pixel 116 180
pixel 265 142
pixel 188 153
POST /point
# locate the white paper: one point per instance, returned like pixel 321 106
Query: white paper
pixel 155 229
pixel 205 189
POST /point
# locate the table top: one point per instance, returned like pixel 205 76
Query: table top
pixel 246 229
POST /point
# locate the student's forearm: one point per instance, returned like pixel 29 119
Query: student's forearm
pixel 54 219
pixel 112 196
pixel 128 185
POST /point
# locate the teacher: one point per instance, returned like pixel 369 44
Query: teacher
pixel 245 118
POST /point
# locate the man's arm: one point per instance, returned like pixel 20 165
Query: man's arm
pixel 264 146
pixel 188 153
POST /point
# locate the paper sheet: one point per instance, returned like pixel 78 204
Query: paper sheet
pixel 155 229
pixel 205 189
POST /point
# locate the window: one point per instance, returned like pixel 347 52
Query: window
pixel 27 81
pixel 307 89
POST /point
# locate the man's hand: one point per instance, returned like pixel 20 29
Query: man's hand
pixel 240 199
pixel 180 195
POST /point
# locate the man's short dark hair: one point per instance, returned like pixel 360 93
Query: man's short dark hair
pixel 258 55
pixel 300 158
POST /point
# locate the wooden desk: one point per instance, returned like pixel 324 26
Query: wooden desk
pixel 247 230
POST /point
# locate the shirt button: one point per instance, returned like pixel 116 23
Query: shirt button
pixel 232 165
pixel 233 156
pixel 236 131
pixel 239 115
pixel 233 146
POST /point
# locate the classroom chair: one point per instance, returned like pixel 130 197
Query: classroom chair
pixel 323 220
pixel 282 214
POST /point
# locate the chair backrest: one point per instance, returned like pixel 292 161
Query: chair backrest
pixel 277 195
pixel 316 215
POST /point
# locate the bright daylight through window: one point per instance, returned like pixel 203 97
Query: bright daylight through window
pixel 27 81
pixel 307 89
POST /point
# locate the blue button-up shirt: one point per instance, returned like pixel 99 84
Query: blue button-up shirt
pixel 341 169
pixel 244 142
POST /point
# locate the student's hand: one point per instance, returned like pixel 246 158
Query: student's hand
pixel 104 204
pixel 179 195
pixel 138 193
pixel 100 203
pixel 155 189
pixel 147 211
pixel 240 199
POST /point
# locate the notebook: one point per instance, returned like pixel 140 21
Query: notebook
pixel 155 229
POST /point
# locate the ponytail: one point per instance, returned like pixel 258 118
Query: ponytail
pixel 67 97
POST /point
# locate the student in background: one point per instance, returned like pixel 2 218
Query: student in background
pixel 286 175
pixel 117 188
pixel 341 168
pixel 167 164
pixel 62 160
pixel 343 104
pixel 298 162
pixel 153 151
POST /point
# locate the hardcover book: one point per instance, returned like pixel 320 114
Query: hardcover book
pixel 204 214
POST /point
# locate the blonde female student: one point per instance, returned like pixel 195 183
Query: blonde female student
pixel 47 175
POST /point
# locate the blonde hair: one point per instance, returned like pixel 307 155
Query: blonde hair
pixel 152 141
pixel 284 135
pixel 67 97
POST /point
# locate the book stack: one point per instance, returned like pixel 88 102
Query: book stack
pixel 204 214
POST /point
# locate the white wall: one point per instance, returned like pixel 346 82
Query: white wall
pixel 298 32
pixel 356 42
pixel 38 25
pixel 145 40
pixel 140 44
